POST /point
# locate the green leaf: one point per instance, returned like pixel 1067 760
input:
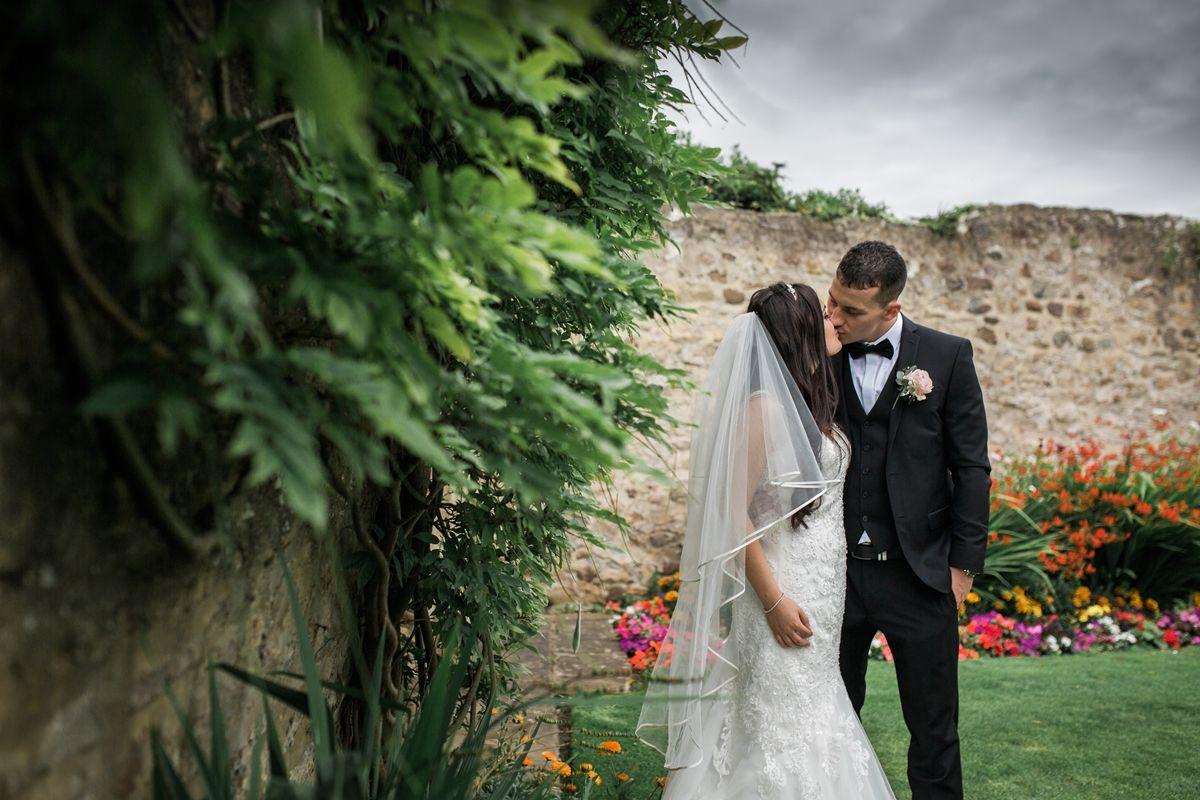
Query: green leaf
pixel 165 781
pixel 320 719
pixel 219 748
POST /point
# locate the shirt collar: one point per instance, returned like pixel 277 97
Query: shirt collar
pixel 893 334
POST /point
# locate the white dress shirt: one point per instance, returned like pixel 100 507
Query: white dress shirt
pixel 870 373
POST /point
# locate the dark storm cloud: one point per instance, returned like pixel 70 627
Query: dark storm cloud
pixel 931 103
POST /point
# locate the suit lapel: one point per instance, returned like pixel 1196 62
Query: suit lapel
pixel 842 365
pixel 910 339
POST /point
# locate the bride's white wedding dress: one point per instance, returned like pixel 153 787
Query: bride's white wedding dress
pixel 785 726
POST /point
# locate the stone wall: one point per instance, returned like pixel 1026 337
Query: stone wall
pixel 98 614
pixel 1084 323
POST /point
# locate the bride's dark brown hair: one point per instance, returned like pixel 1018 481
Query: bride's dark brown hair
pixel 796 323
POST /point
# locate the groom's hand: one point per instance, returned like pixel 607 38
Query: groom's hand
pixel 960 584
pixel 789 624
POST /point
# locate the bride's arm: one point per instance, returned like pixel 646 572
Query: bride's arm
pixel 787 621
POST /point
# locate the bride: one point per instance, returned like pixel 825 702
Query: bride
pixel 746 700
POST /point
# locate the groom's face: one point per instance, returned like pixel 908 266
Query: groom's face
pixel 857 314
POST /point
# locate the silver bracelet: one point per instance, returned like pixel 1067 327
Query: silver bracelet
pixel 775 605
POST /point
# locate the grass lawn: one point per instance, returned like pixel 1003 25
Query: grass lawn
pixel 1090 727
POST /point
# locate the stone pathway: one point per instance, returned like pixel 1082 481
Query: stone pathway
pixel 554 671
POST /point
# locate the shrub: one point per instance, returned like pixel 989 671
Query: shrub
pixel 744 184
pixel 836 205
pixel 945 224
pixel 387 252
pixel 741 183
pixel 1080 516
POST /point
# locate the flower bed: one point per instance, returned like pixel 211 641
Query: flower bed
pixel 1072 528
pixel 1015 624
pixel 642 624
pixel 1093 625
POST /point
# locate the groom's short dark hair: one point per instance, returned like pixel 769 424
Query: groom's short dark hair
pixel 872 263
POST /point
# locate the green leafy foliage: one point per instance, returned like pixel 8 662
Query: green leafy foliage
pixel 424 755
pixel 741 183
pixel 1078 516
pixel 945 224
pixel 745 184
pixel 386 251
pixel 836 205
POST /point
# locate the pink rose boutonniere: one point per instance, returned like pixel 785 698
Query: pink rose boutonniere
pixel 915 384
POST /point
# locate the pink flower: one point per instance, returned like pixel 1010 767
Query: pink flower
pixel 922 383
pixel 915 384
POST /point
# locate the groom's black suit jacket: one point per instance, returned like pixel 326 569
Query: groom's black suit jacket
pixel 936 465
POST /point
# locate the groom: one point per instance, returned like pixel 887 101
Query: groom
pixel 916 502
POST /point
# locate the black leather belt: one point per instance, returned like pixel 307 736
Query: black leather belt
pixel 865 552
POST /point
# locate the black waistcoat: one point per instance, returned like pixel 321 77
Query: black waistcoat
pixel 867 505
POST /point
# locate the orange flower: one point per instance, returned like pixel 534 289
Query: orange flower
pixel 622 776
pixel 527 762
pixel 609 748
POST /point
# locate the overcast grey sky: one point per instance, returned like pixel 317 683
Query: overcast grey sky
pixel 928 104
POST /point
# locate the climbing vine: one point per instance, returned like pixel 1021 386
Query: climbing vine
pixel 379 255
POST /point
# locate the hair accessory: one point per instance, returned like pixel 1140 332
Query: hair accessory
pixel 791 289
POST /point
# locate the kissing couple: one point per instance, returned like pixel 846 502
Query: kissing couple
pixel 838 486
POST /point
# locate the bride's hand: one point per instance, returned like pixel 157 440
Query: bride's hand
pixel 789 624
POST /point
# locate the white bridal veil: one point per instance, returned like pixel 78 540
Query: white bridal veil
pixel 754 461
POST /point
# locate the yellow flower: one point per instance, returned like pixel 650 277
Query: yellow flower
pixel 564 770
pixel 972 597
pixel 524 738
pixel 1027 606
pixel 1007 595
pixel 546 754
pixel 1152 604
pixel 1082 597
pixel 608 748
pixel 671 596
pixel 586 767
pixel 622 776
pixel 1195 600
pixel 661 781
pixel 556 765
pixel 495 711
pixel 519 719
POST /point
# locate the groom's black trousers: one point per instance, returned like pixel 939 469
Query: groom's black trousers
pixel 921 626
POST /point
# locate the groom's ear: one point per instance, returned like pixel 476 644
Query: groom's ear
pixel 891 310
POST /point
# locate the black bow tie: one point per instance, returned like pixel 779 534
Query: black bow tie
pixel 860 349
